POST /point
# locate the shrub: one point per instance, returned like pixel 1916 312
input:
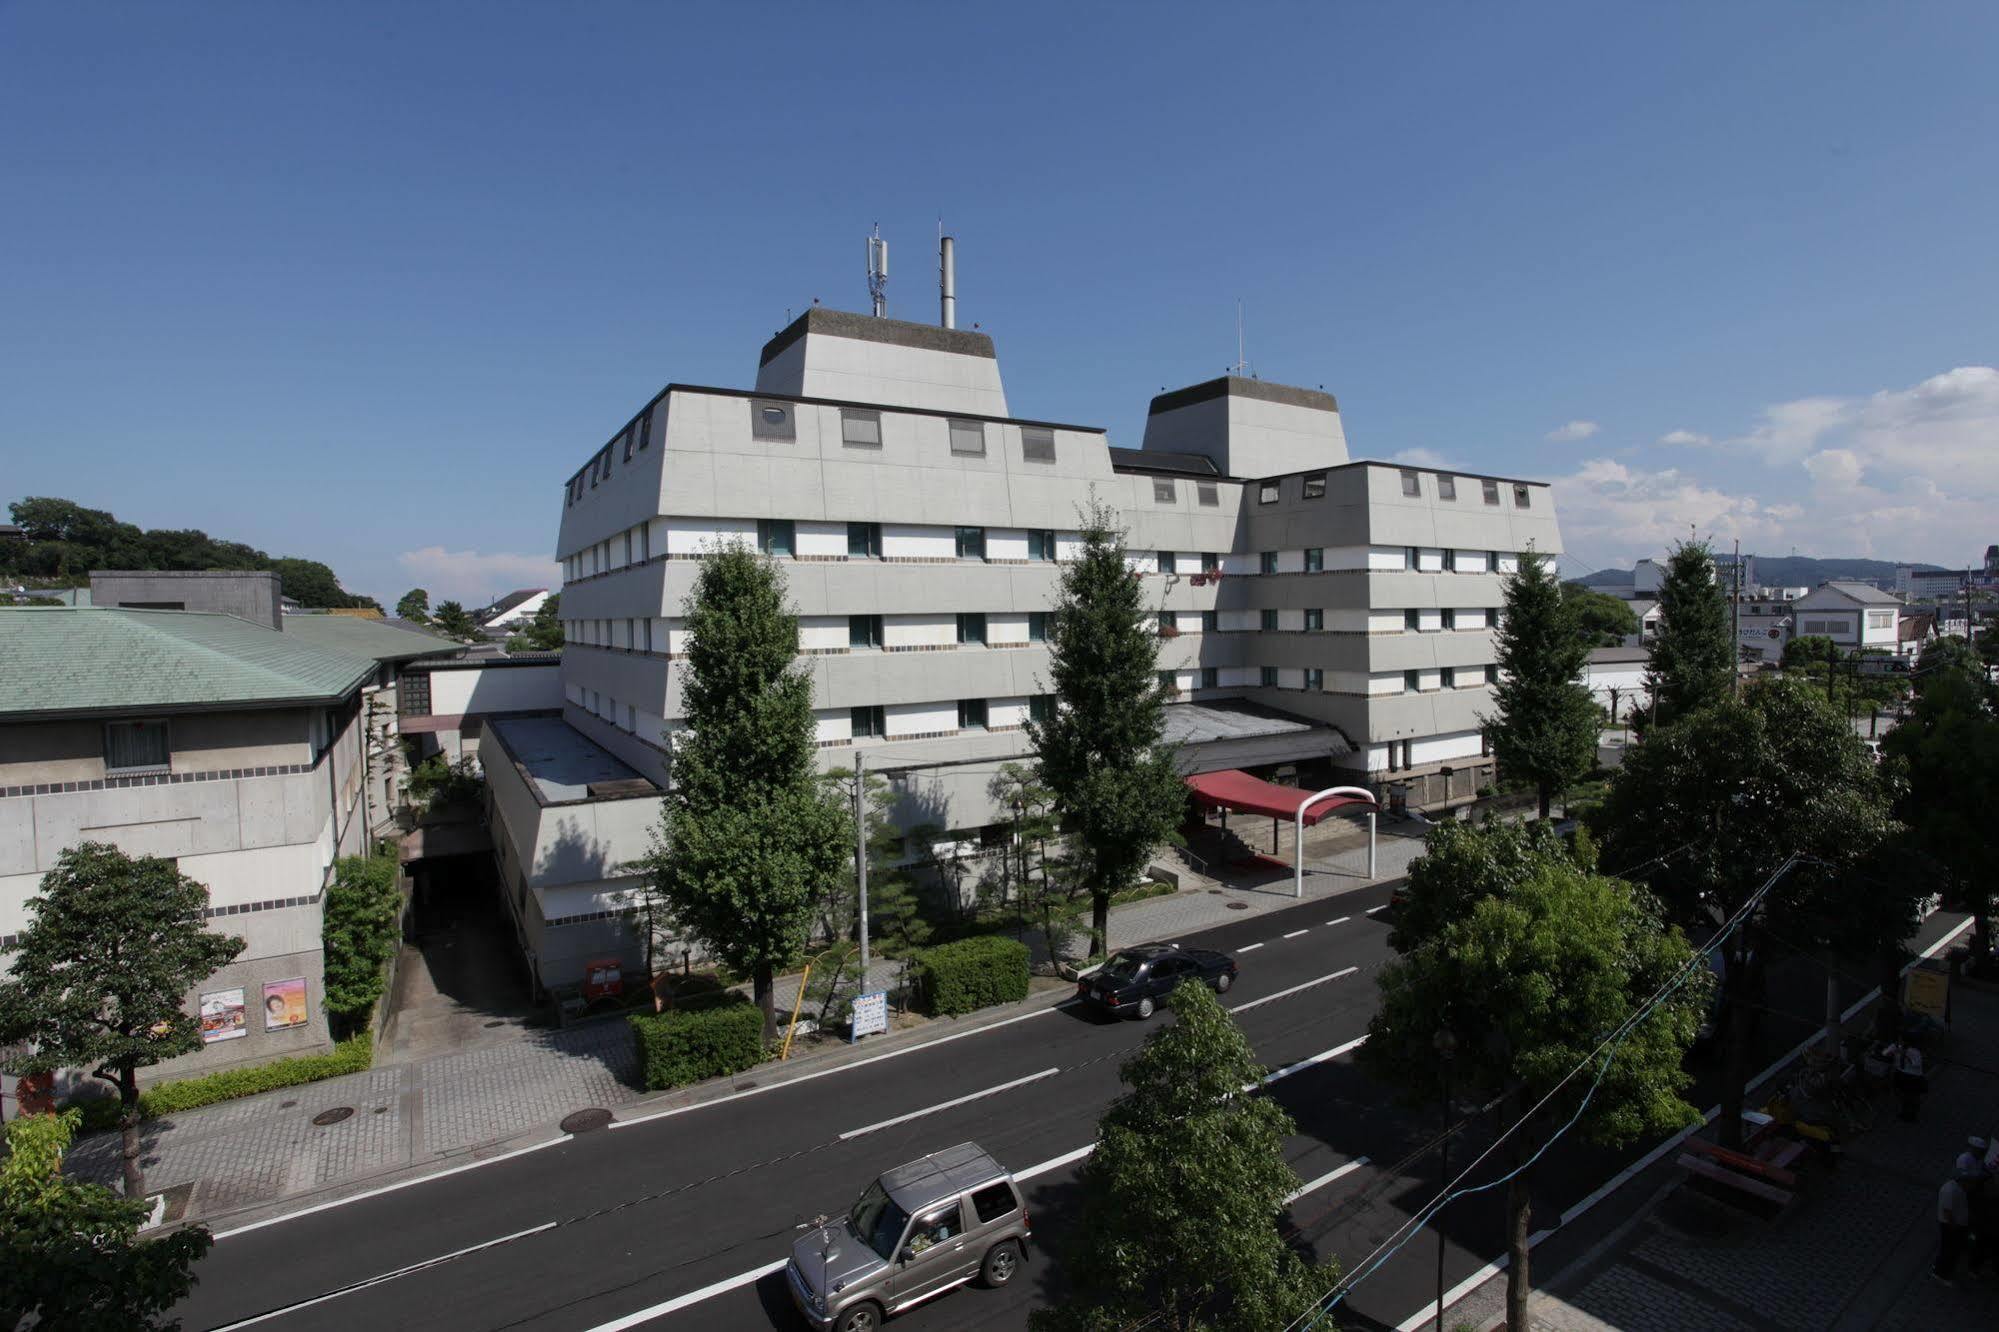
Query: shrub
pixel 970 974
pixel 363 908
pixel 687 1045
pixel 354 1055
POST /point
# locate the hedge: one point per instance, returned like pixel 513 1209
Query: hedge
pixel 687 1045
pixel 361 930
pixel 354 1055
pixel 970 974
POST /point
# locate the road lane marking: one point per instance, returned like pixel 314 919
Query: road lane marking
pixel 386 1276
pixel 1295 933
pixel 1285 994
pixel 1312 1061
pixel 1372 910
pixel 1249 948
pixel 1055 1163
pixel 1339 920
pixel 1325 1179
pixel 947 1105
pixel 692 1297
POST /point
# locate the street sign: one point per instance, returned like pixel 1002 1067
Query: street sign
pixel 870 1015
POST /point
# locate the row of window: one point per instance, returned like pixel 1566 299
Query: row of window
pixel 861 428
pixel 1447 489
pixel 636 436
pixel 1450 677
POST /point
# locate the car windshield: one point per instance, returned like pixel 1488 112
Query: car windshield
pixel 1124 966
pixel 878 1220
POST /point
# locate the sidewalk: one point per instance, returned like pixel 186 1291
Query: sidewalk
pixel 515 1087
pixel 1852 1252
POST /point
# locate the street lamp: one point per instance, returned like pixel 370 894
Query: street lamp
pixel 1447 1049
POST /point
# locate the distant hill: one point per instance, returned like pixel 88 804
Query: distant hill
pixel 1783 571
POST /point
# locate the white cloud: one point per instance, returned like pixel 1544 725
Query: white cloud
pixel 1421 457
pixel 1675 438
pixel 1573 431
pixel 472 576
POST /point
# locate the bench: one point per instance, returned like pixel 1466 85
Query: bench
pixel 1773 1169
pixel 1734 1186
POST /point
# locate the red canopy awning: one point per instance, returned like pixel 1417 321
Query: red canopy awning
pixel 1237 790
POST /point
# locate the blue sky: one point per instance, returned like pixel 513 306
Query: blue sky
pixel 366 282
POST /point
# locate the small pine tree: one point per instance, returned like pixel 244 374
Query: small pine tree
pixel 454 621
pixel 1545 730
pixel 1693 655
pixel 542 632
pixel 415 605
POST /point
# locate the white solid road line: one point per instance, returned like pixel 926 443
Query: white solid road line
pixel 386 1276
pixel 947 1105
pixel 1295 933
pixel 1325 1179
pixel 1249 948
pixel 1285 994
pixel 1340 920
pixel 741 1279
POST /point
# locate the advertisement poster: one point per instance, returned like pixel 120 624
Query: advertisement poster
pixel 284 1004
pixel 870 1015
pixel 222 1016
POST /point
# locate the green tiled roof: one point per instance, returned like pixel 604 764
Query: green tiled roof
pixel 366 638
pixel 57 659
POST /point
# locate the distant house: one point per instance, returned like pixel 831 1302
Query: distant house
pixel 1856 616
pixel 1916 631
pixel 514 609
pixel 1616 680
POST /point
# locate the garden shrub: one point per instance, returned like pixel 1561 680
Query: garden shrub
pixel 970 974
pixel 354 1055
pixel 362 927
pixel 689 1044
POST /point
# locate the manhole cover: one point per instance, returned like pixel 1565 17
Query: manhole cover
pixel 1238 906
pixel 497 1022
pixel 584 1120
pixel 333 1116
pixel 286 1105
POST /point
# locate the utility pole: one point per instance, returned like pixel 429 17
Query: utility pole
pixel 861 850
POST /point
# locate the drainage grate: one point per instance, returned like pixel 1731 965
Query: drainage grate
pixel 333 1116
pixel 1238 906
pixel 582 1121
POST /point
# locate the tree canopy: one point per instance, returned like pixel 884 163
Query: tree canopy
pixel 415 605
pixel 543 631
pixel 1545 729
pixel 455 621
pixel 102 972
pixel 1182 1197
pixel 1945 757
pixel 1605 620
pixel 1694 654
pixel 1101 749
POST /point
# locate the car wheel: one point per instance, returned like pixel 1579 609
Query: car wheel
pixel 1145 1008
pixel 1002 1261
pixel 863 1317
pixel 1222 983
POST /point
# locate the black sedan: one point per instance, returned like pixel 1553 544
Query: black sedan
pixel 1135 981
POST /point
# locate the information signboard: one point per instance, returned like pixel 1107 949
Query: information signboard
pixel 870 1015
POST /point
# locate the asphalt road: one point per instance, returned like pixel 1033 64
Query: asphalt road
pixel 681 1221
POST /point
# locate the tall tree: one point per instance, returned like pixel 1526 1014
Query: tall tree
pixel 70 1252
pixel 1545 730
pixel 1945 755
pixel 102 973
pixel 748 832
pixel 543 631
pixel 1101 749
pixel 1710 807
pixel 1527 984
pixel 1038 882
pixel 1182 1197
pixel 1606 620
pixel 455 621
pixel 1693 654
pixel 415 605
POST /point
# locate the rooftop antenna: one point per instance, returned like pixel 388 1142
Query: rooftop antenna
pixel 947 278
pixel 878 272
pixel 1241 367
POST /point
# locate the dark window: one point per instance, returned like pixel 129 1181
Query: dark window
pixel 772 420
pixel 645 429
pixel 971 543
pixel 972 627
pixel 971 714
pixel 1315 620
pixel 1491 489
pixel 864 541
pixel 1448 677
pixel 1167 564
pixel 629 441
pixel 1040 544
pixel 1040 707
pixel 1491 675
pixel 1315 486
pixel 1447 487
pixel 776 536
pixel 1266 492
pixel 1412 484
pixel 1037 444
pixel 136 746
pixel 864 631
pixel 1411 621
pixel 1450 618
pixel 1210 678
pixel 1315 559
pixel 860 428
pixel 1037 626
pixel 868 723
pixel 1519 497
pixel 1267 562
pixel 1269 620
pixel 1210 562
pixel 1210 621
pixel 1315 679
pixel 1269 677
pixel 968 439
pixel 1411 682
pixel 1415 559
pixel 1169 623
pixel 1167 684
pixel 1162 490
pixel 1207 493
pixel 994 835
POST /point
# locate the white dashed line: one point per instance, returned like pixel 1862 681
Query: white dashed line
pixel 1295 933
pixel 1339 920
pixel 1327 1178
pixel 947 1105
pixel 1249 948
pixel 1382 907
pixel 1273 998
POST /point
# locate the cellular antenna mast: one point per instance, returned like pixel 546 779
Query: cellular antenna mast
pixel 1241 367
pixel 878 272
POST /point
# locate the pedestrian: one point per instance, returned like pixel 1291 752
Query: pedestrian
pixel 1983 1196
pixel 1910 1080
pixel 1953 1228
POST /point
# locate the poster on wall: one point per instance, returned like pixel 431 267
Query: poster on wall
pixel 284 1004
pixel 222 1016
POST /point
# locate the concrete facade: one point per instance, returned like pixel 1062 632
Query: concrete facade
pixel 249 595
pixel 1853 615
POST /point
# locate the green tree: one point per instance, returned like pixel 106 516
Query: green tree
pixel 1693 654
pixel 1554 972
pixel 1038 883
pixel 543 631
pixel 1605 620
pixel 1710 807
pixel 310 583
pixel 1101 749
pixel 1545 730
pixel 102 973
pixel 895 918
pixel 748 833
pixel 1463 862
pixel 454 621
pixel 415 605
pixel 70 1252
pixel 1182 1197
pixel 1945 757
pixel 362 928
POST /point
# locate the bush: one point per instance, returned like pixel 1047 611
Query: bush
pixel 354 1055
pixel 687 1045
pixel 361 929
pixel 970 974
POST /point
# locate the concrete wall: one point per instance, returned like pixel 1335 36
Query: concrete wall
pixel 252 596
pixel 492 689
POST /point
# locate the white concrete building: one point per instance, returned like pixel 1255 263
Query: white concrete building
pixel 1855 616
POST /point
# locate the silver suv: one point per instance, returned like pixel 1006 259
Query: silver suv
pixel 920 1230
